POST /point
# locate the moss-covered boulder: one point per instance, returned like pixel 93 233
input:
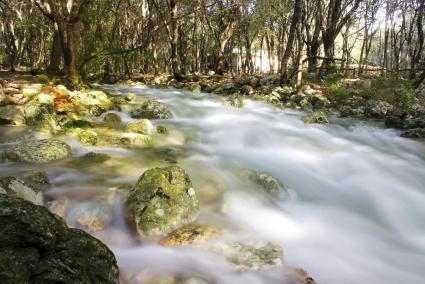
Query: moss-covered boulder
pixel 316 117
pixel 141 126
pixel 267 182
pixel 37 247
pixel 162 200
pixel 151 110
pixel 42 151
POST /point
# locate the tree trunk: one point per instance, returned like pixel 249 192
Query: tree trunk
pixel 291 38
pixel 55 54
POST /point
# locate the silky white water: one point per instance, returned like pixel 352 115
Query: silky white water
pixel 354 212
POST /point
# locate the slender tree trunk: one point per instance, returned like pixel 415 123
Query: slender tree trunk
pixel 55 54
pixel 291 39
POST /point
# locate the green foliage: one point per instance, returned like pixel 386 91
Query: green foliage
pixel 331 79
pixel 393 90
pixel 338 92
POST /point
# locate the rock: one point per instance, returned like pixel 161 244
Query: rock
pixel 319 101
pixel 42 117
pixel 316 117
pixel 413 133
pixel 58 206
pixel 112 118
pixel 237 101
pixel 191 234
pixel 90 159
pixel 211 73
pixel 161 129
pixel 96 110
pixel 12 91
pixel 93 98
pixel 113 139
pixel 45 99
pixel 141 126
pixel 3 98
pixel 162 200
pixel 306 105
pixel 42 151
pixel 395 118
pixel 130 97
pixel 412 121
pixel 44 250
pixel 377 109
pixel 12 115
pixel 249 255
pixel 267 182
pixel 247 90
pixel 151 110
pixel 17 187
pixel 195 88
pixel 297 98
pixel 85 136
pixel 30 92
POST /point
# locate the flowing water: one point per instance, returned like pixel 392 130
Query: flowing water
pixel 353 212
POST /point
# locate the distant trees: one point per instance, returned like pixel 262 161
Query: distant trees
pixel 106 37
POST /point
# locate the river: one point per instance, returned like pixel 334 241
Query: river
pixel 353 211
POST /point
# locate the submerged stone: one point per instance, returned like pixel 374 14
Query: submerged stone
pixel 249 255
pixel 162 200
pixel 191 234
pixel 112 118
pixel 42 151
pixel 42 117
pixel 269 183
pixel 12 115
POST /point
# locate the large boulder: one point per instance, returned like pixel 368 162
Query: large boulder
pixel 151 110
pixel 162 200
pixel 42 151
pixel 37 247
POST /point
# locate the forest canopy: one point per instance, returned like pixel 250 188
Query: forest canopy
pixel 84 38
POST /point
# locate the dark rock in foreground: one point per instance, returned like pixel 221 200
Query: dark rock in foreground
pixel 37 247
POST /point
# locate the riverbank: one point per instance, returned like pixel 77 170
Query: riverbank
pixel 390 101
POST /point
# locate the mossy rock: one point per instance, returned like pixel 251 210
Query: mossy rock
pixel 85 136
pixel 162 200
pixel 316 117
pixel 77 123
pixel 42 151
pixel 37 247
pixel 113 139
pixel 141 126
pixel 42 117
pixel 96 110
pixel 12 115
pixel 161 129
pixel 112 118
pixel 151 110
pixel 236 100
